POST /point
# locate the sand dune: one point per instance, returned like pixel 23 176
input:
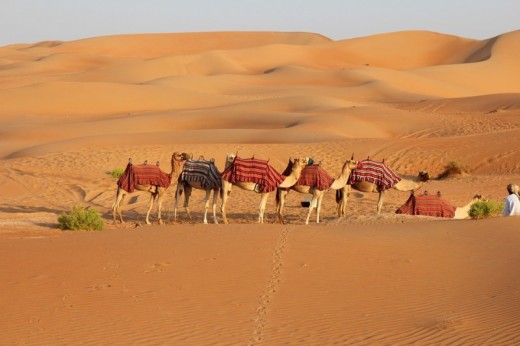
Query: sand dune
pixel 72 111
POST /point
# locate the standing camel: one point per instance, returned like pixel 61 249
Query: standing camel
pixel 203 175
pixel 147 178
pixel 316 181
pixel 372 176
pixel 256 175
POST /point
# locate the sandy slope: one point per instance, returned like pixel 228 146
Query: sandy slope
pixel 72 111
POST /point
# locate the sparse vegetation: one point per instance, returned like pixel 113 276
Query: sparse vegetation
pixel 81 218
pixel 453 168
pixel 116 172
pixel 484 209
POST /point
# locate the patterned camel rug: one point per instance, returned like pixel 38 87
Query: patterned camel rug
pixel 427 205
pixel 253 171
pixel 315 177
pixel 374 172
pixel 143 175
pixel 202 171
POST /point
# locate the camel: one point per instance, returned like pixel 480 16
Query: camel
pixel 463 212
pixel 317 194
pixel 436 206
pixel 275 180
pixel 156 184
pixel 397 183
pixel 202 175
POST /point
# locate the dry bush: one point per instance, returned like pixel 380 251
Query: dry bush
pixel 453 168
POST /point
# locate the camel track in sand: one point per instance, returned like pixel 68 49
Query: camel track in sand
pixel 261 317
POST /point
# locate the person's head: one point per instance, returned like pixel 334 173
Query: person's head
pixel 512 188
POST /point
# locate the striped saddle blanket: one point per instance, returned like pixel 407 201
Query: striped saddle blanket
pixel 427 205
pixel 201 171
pixel 253 171
pixel 315 177
pixel 143 175
pixel 374 172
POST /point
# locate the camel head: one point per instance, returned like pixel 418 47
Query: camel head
pixel 230 157
pixel 349 165
pixel 296 166
pixel 299 163
pixel 181 156
pixel 178 160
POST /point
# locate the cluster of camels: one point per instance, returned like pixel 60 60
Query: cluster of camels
pixel 199 178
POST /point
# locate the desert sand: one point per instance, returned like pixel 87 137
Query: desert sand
pixel 72 111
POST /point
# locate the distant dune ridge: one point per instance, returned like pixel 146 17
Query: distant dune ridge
pixel 71 112
pixel 305 78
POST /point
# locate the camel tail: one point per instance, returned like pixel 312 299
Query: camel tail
pixel 339 195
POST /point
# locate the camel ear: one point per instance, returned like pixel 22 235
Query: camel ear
pixel 352 157
pixel 157 163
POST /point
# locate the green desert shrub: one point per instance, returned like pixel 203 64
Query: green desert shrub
pixel 453 168
pixel 483 209
pixel 81 218
pixel 116 172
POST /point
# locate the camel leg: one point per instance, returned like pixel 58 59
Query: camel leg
pixel 318 206
pixel 263 203
pixel 312 205
pixel 380 201
pixel 280 202
pixel 342 203
pixel 116 207
pixel 178 193
pixel 160 195
pixel 120 208
pixel 187 195
pixel 152 198
pixel 226 190
pixel 206 206
pixel 215 197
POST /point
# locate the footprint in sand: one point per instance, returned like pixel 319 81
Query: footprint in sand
pixel 157 267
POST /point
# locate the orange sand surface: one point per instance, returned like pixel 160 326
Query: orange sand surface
pixel 72 111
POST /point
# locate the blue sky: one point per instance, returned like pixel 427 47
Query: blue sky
pixel 28 21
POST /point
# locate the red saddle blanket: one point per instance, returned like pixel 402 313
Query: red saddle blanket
pixel 315 177
pixel 427 205
pixel 143 175
pixel 374 172
pixel 253 171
